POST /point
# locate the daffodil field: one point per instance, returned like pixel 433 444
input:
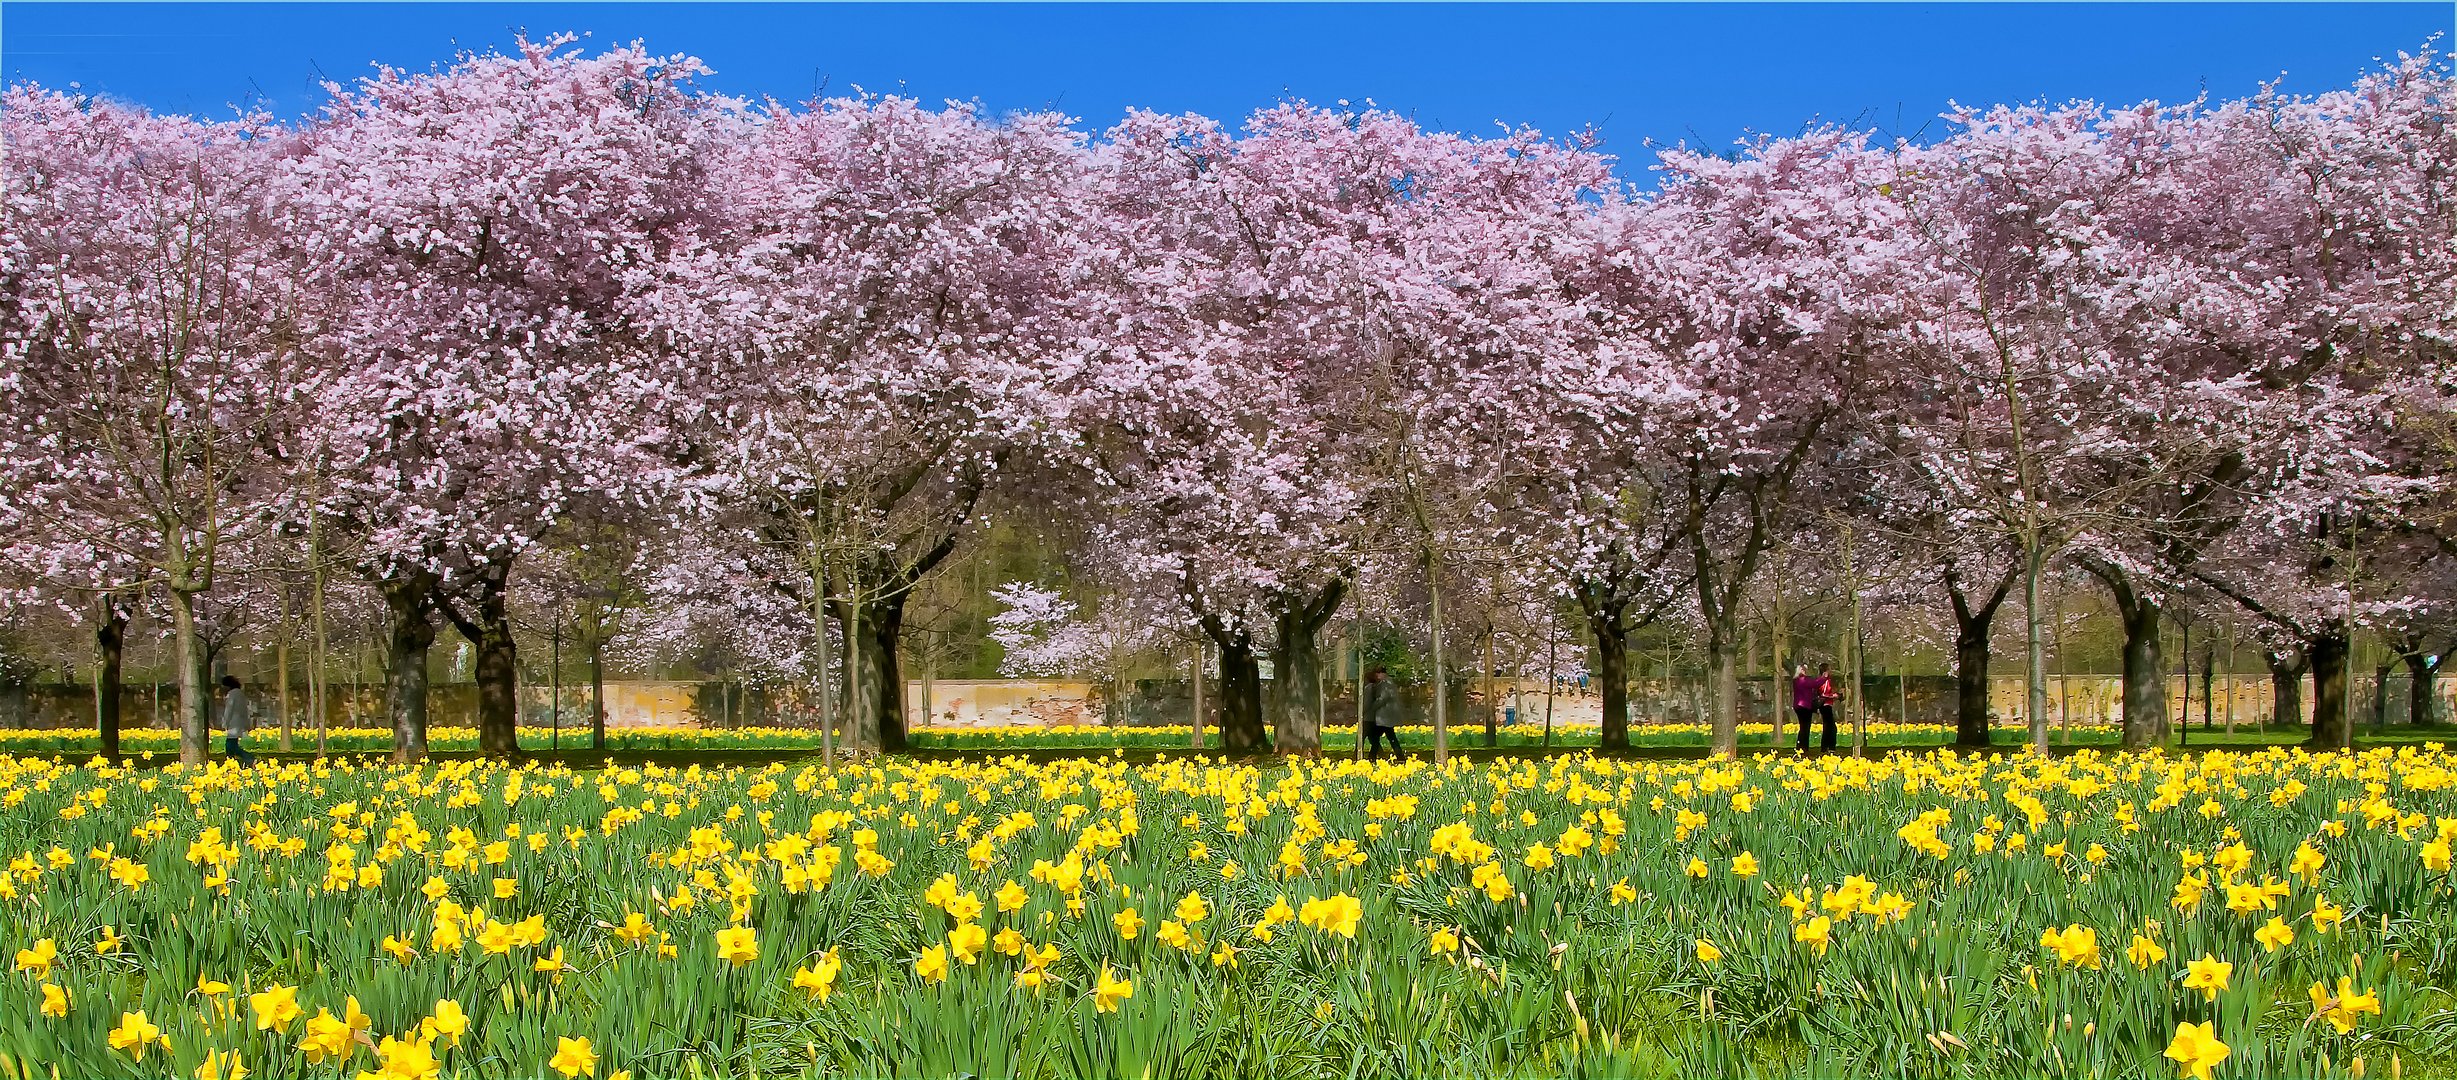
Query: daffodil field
pixel 2230 915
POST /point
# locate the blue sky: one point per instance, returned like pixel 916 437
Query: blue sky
pixel 1704 73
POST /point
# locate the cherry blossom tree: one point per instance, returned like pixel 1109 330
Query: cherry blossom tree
pixel 1761 288
pixel 1043 634
pixel 887 345
pixel 151 377
pixel 481 241
pixel 2304 315
pixel 1509 423
pixel 1234 467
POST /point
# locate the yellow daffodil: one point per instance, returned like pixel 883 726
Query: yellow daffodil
pixel 2275 934
pixel 573 1057
pixel 135 1034
pixel 39 959
pixel 819 979
pixel 2208 975
pixel 1110 990
pixel 738 945
pixel 2196 1050
pixel 274 1007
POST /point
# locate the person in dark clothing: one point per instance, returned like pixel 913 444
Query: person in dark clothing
pixel 237 714
pixel 1804 704
pixel 1381 714
pixel 1827 695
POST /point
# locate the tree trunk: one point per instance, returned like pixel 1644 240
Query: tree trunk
pixel 1971 682
pixel 317 668
pixel 2331 729
pixel 1492 702
pixel 2286 671
pixel 2380 691
pixel 1727 691
pixel 497 666
pixel 1296 663
pixel 2034 646
pixel 819 606
pixel 1241 695
pixel 409 597
pixel 2145 667
pixel 281 677
pixel 1612 668
pixel 498 678
pixel 1297 667
pixel 195 691
pixel 1611 631
pixel 1780 696
pixel 1972 623
pixel 2145 673
pixel 2421 703
pixel 1441 676
pixel 874 714
pixel 110 650
pixel 597 694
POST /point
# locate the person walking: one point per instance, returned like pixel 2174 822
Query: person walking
pixel 1828 693
pixel 237 710
pixel 1381 714
pixel 1804 704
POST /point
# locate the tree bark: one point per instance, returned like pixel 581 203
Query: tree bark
pixel 871 612
pixel 2145 667
pixel 195 692
pixel 2286 671
pixel 597 695
pixel 2145 673
pixel 1612 669
pixel 1492 702
pixel 1607 623
pixel 281 678
pixel 2331 729
pixel 1296 664
pixel 1441 673
pixel 2034 645
pixel 497 666
pixel 874 714
pixel 409 597
pixel 1972 622
pixel 2421 702
pixel 1241 694
pixel 1727 691
pixel 819 606
pixel 1971 727
pixel 110 651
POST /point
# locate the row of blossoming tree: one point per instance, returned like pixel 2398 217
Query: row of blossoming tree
pixel 775 364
